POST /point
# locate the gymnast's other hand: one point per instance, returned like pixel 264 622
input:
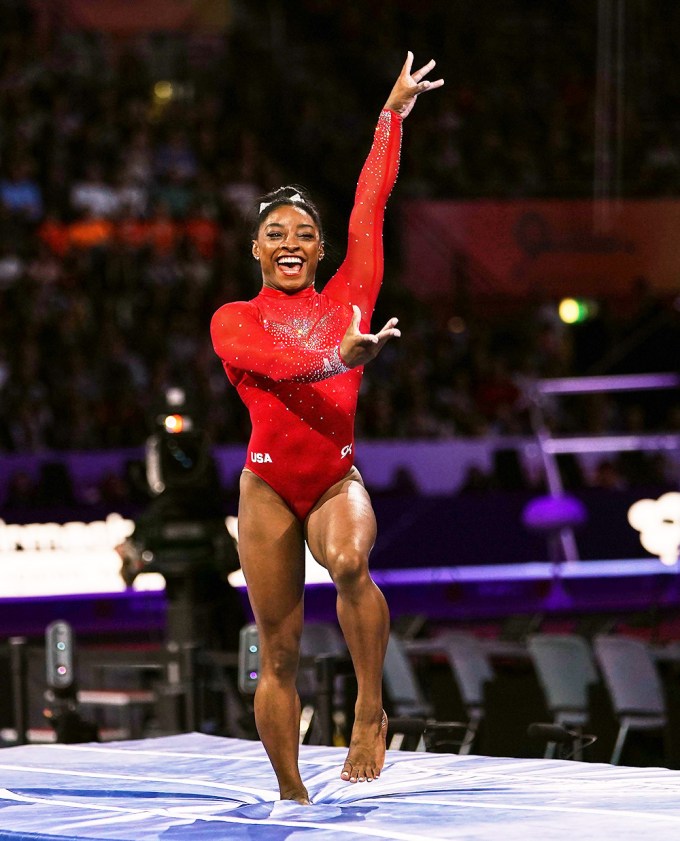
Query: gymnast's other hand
pixel 403 95
pixel 357 348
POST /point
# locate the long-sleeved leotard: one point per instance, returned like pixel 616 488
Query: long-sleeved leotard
pixel 280 350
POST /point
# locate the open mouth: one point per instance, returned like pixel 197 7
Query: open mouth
pixel 290 266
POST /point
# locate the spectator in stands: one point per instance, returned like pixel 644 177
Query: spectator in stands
pixel 20 193
pixel 92 196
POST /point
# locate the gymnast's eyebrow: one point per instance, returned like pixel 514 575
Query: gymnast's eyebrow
pixel 279 225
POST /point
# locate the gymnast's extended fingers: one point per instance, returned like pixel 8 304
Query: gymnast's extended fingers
pixel 426 84
pixel 406 69
pixel 417 75
pixel 389 331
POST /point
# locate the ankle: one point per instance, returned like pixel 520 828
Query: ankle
pixel 369 715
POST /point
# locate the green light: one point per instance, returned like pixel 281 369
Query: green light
pixel 574 310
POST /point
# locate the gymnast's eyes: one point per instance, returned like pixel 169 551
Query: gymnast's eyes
pixel 275 235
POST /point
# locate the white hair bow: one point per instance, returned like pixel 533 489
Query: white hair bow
pixel 295 197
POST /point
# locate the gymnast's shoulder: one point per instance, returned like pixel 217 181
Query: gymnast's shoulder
pixel 232 316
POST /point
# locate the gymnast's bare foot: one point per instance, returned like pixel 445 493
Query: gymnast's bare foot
pixel 299 795
pixel 366 755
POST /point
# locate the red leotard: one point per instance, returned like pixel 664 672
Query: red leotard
pixel 280 350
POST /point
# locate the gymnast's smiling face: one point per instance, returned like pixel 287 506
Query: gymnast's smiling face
pixel 289 248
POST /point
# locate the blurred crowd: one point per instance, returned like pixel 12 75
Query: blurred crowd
pixel 128 168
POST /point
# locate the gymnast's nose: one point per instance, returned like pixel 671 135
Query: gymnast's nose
pixel 289 242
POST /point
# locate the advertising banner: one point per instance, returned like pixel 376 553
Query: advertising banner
pixel 561 247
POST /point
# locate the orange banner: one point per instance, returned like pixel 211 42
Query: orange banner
pixel 510 248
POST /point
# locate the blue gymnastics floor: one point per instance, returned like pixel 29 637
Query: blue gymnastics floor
pixel 203 787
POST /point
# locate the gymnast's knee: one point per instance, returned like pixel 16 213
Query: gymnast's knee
pixel 348 568
pixel 280 660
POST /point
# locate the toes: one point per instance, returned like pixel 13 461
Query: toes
pixel 348 774
pixel 352 774
pixel 359 773
pixel 364 775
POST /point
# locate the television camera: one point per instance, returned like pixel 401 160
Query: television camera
pixel 182 534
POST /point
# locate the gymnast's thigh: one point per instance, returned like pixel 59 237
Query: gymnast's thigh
pixel 342 523
pixel 272 553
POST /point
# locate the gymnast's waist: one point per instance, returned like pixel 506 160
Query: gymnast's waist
pixel 301 455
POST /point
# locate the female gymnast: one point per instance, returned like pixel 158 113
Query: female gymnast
pixel 296 358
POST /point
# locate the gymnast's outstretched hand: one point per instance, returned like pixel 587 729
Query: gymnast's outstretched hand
pixel 402 98
pixel 357 348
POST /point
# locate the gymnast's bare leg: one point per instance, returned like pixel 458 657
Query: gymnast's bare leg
pixel 271 550
pixel 341 531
